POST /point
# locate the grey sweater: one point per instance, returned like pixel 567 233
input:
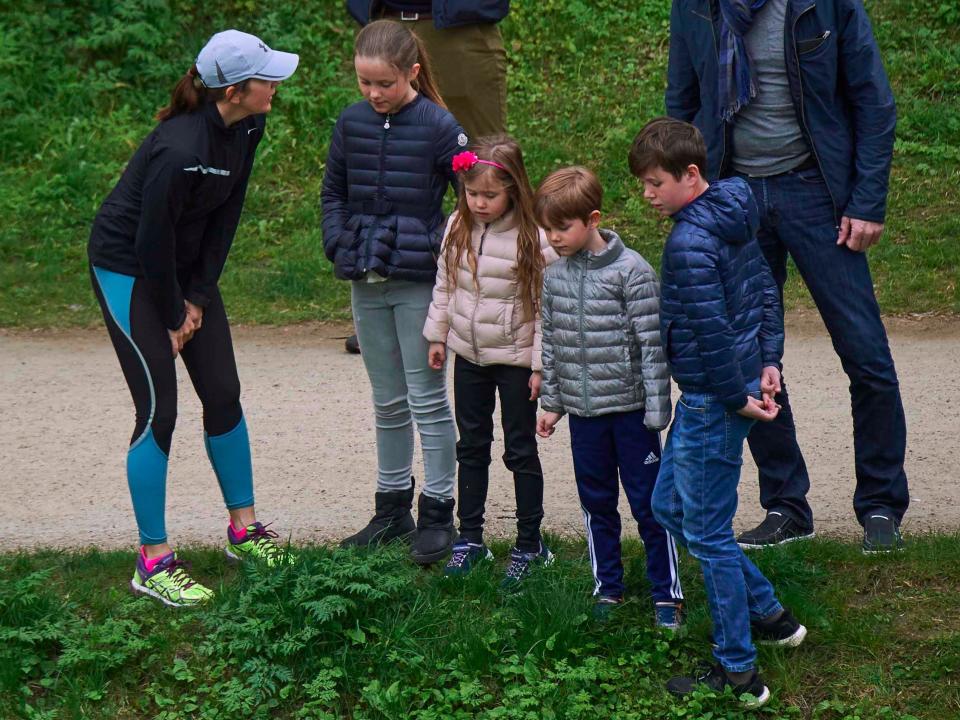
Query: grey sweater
pixel 601 336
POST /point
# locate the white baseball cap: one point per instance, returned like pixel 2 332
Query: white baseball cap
pixel 232 56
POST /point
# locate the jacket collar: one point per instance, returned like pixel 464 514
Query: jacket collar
pixel 215 120
pixel 603 258
pixel 502 224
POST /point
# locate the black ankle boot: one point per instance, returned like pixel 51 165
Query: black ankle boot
pixel 391 521
pixel 434 530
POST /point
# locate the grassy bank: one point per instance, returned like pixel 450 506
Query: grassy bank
pixel 83 80
pixel 343 634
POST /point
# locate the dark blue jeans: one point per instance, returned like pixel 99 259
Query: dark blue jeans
pixel 797 219
pixel 695 499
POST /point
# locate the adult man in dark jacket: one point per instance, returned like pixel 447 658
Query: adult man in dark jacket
pixel 792 96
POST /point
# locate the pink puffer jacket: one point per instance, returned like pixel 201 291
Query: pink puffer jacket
pixel 484 324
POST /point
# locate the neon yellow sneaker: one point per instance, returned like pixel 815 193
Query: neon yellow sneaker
pixel 255 542
pixel 167 580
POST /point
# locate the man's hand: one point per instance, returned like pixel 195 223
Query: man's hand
pixel 769 382
pixel 536 379
pixel 436 355
pixel 181 336
pixel 176 343
pixel 764 411
pixel 547 423
pixel 858 235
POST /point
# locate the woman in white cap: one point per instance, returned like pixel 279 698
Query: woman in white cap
pixel 156 250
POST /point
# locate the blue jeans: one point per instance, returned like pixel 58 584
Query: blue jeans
pixel 797 219
pixel 695 499
pixel 389 319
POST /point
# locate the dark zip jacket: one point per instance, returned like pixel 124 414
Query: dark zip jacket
pixel 172 215
pixel 383 190
pixel 445 13
pixel 720 316
pixel 840 91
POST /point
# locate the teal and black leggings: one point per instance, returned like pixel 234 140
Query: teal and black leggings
pixel 142 343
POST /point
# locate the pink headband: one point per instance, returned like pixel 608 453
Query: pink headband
pixel 466 160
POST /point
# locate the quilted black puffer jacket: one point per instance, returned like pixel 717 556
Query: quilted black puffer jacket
pixel 383 190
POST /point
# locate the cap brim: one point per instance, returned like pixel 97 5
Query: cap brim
pixel 280 66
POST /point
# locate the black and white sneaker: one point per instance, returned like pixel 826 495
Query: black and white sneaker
pixel 716 679
pixel 881 534
pixel 784 631
pixel 776 529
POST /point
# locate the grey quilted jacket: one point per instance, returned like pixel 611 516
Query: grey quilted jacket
pixel 601 336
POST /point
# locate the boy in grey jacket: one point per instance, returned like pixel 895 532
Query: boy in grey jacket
pixel 604 366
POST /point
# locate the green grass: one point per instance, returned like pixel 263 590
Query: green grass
pixel 345 634
pixel 83 79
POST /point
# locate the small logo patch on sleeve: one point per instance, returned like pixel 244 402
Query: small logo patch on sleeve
pixel 461 139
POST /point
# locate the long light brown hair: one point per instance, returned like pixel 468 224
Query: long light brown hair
pixel 504 150
pixel 399 46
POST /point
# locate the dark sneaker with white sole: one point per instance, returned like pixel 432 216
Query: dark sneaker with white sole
pixel 776 529
pixel 752 693
pixel 784 631
pixel 881 534
pixel 465 557
pixel 521 563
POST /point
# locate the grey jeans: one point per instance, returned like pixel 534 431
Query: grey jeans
pixel 389 318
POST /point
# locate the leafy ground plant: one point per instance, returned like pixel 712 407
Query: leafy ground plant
pixel 369 635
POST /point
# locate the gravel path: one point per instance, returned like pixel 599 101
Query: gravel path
pixel 66 417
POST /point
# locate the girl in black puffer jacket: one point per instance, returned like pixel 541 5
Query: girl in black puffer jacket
pixel 387 172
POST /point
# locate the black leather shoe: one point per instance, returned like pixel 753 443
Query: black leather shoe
pixel 776 529
pixel 352 345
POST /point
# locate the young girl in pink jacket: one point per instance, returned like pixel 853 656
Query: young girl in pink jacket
pixel 486 310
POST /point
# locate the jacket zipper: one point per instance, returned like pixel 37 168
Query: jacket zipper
pixel 383 148
pixel 476 304
pixel 583 344
pixel 803 116
pixel 723 123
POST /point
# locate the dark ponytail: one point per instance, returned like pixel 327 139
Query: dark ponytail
pixel 187 96
pixel 398 45
pixel 190 93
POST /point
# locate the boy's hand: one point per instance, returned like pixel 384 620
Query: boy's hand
pixel 764 411
pixel 536 379
pixel 769 382
pixel 547 423
pixel 436 355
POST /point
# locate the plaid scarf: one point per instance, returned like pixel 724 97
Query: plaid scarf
pixel 737 84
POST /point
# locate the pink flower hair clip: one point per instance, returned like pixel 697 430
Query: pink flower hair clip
pixel 467 159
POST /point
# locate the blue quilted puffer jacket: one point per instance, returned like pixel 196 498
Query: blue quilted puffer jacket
pixel 720 316
pixel 383 190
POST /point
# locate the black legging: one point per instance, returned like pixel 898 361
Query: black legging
pixel 142 344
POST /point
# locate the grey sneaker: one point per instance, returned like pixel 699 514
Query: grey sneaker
pixel 776 529
pixel 881 534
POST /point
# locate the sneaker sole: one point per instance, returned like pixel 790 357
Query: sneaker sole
pixel 882 552
pixel 139 589
pixel 763 699
pixel 754 546
pixel 793 641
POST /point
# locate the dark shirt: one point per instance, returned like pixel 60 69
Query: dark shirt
pixel 172 215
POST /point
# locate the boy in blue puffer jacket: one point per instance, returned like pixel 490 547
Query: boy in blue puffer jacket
pixel 722 331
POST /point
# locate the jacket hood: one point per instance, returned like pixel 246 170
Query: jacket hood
pixel 726 209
